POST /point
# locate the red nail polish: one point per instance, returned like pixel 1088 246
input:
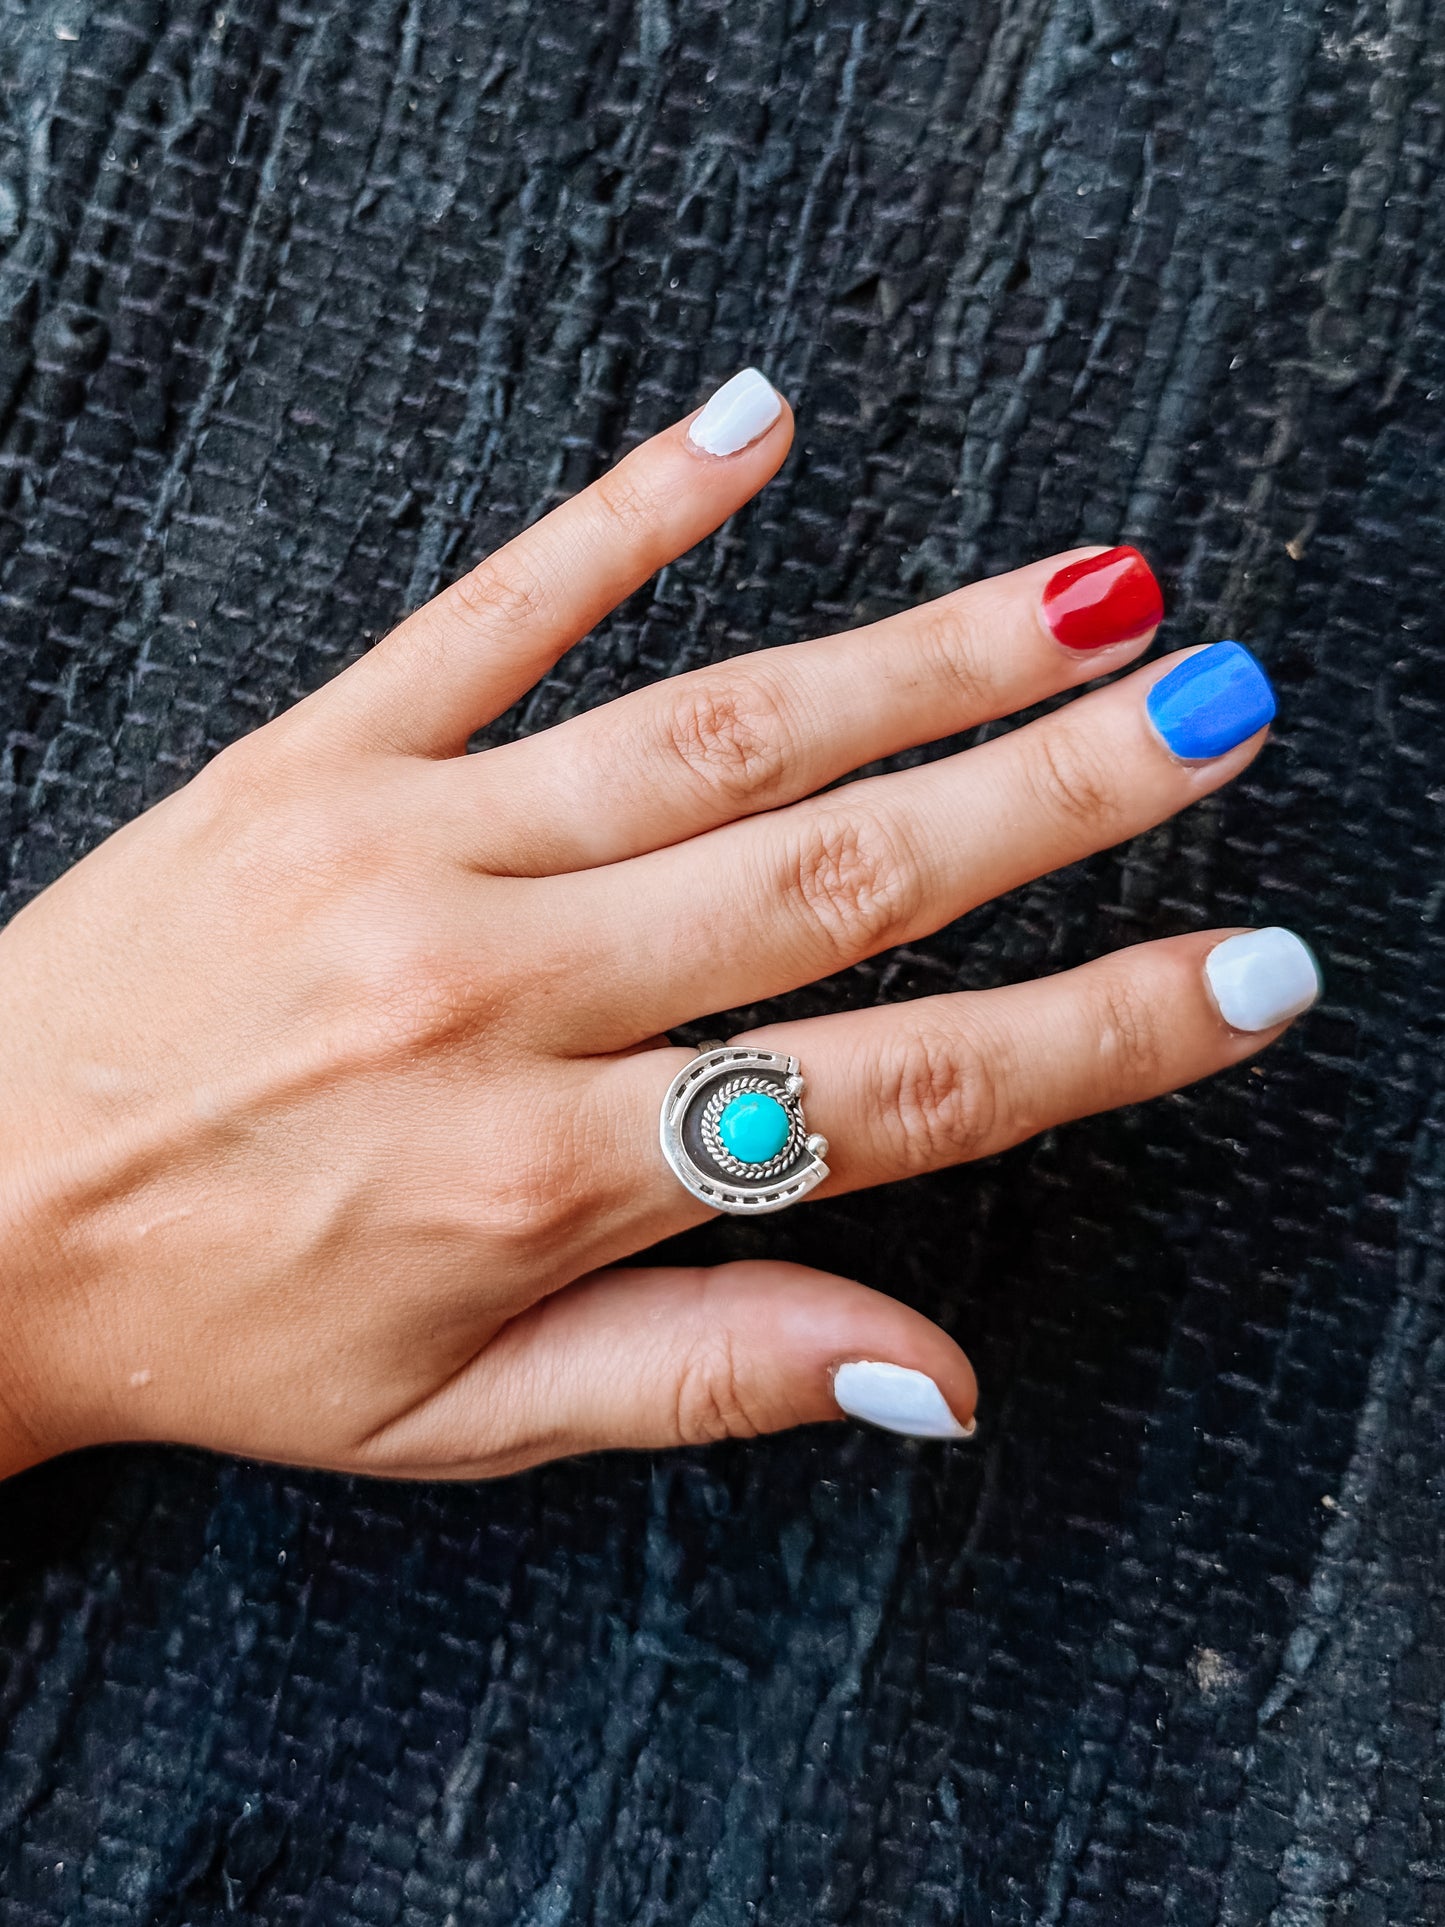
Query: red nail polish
pixel 1109 598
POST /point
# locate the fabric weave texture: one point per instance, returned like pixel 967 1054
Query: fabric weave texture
pixel 304 305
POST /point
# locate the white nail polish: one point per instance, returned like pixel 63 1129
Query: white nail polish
pixel 740 411
pixel 897 1399
pixel 1261 978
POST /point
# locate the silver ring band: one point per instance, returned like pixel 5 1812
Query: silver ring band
pixel 732 1128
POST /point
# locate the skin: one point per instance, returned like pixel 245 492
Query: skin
pixel 331 1083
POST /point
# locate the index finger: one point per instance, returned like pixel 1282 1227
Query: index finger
pixel 470 652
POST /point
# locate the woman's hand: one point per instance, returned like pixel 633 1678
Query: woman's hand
pixel 331 1085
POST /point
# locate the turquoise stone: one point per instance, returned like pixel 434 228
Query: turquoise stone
pixel 754 1127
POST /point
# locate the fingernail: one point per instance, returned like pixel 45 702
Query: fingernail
pixel 1211 702
pixel 740 411
pixel 1109 598
pixel 1262 978
pixel 898 1400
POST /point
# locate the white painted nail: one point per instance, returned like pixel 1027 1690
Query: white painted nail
pixel 740 411
pixel 898 1399
pixel 1261 978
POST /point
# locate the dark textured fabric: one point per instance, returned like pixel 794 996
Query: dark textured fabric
pixel 306 304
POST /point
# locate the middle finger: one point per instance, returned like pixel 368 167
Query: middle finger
pixel 769 903
pixel 697 750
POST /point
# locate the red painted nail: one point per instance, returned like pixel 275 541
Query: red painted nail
pixel 1109 598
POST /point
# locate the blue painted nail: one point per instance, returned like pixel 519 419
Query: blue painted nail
pixel 1211 703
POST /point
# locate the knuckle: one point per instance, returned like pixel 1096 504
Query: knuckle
pixel 942 1097
pixel 410 995
pixel 240 779
pixel 854 884
pixel 501 592
pixel 1070 775
pixel 1131 1042
pixel 253 812
pixel 627 503
pixel 542 1193
pixel 730 735
pixel 494 1212
pixel 711 1404
pixel 956 653
pixel 523 1216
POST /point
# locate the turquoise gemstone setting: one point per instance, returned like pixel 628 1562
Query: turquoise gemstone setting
pixel 733 1130
pixel 753 1127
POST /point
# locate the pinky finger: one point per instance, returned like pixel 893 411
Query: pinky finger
pixel 667 1356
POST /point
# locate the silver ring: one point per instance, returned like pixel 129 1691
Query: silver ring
pixel 733 1131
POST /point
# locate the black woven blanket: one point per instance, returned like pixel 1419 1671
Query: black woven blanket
pixel 307 302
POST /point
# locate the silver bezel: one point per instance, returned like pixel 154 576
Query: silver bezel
pixel 734 1186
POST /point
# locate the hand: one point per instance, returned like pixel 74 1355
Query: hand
pixel 331 1085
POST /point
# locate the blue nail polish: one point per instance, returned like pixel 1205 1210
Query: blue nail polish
pixel 1211 703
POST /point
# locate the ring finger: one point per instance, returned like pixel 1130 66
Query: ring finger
pixel 905 1089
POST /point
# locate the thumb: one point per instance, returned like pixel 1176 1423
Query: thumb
pixel 648 1357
